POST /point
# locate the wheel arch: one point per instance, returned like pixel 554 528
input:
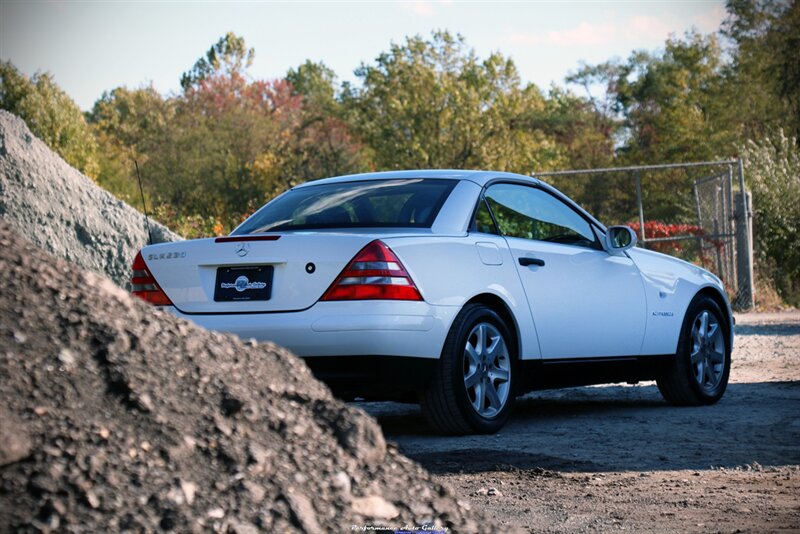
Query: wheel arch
pixel 499 306
pixel 720 300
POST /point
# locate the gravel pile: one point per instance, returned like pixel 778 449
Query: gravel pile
pixel 119 417
pixel 62 211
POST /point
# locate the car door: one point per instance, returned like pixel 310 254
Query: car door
pixel 585 302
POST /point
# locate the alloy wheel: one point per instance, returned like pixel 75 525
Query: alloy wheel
pixel 707 351
pixel 487 370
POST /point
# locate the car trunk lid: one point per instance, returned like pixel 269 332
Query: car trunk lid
pixel 251 273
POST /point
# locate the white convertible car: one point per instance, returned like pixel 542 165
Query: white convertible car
pixel 457 289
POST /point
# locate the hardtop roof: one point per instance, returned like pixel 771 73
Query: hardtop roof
pixel 478 177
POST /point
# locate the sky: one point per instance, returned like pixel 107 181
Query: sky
pixel 91 47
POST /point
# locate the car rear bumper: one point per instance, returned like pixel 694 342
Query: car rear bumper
pixel 355 328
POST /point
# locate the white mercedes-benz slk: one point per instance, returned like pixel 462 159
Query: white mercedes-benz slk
pixel 457 289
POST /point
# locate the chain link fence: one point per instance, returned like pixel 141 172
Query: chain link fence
pixel 695 211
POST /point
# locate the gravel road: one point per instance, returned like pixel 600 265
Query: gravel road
pixel 618 458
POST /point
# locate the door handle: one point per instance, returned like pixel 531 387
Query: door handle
pixel 531 261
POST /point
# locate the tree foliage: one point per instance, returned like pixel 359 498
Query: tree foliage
pixel 773 173
pixel 129 125
pixel 215 152
pixel 50 114
pixel 763 78
pixel 325 144
pixel 228 57
pixel 431 103
pixel 664 101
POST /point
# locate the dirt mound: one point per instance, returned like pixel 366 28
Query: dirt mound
pixel 117 416
pixel 62 211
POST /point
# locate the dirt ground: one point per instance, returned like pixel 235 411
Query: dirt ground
pixel 616 458
pixel 117 417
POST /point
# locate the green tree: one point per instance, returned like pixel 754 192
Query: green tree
pixel 667 102
pixel 433 103
pixel 214 153
pixel 226 146
pixel 763 78
pixel 669 110
pixel 50 114
pixel 129 124
pixel 323 144
pixel 583 133
pixel 316 83
pixel 772 166
pixel 228 57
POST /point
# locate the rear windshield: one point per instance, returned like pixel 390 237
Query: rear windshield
pixel 368 204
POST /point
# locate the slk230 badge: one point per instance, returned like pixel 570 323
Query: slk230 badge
pixel 167 255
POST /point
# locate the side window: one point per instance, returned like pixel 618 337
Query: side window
pixel 483 220
pixel 530 213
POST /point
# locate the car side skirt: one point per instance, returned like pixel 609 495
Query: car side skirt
pixel 552 374
pixel 399 378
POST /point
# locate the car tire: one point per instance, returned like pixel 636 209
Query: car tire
pixel 698 375
pixel 473 387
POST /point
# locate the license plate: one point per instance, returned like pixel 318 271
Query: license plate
pixel 243 283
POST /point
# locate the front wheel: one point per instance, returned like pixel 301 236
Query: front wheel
pixel 472 390
pixel 699 373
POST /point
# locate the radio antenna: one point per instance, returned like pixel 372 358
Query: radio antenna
pixel 144 205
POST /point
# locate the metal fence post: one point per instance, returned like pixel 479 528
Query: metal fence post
pixel 699 221
pixel 729 222
pixel 745 298
pixel 641 205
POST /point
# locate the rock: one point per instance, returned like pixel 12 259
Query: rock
pixel 375 507
pixel 258 455
pixel 303 511
pixel 243 528
pixel 189 489
pixel 341 481
pixel 15 442
pixel 145 402
pixel 215 513
pixel 92 499
pixel 66 357
pixel 256 491
pixel 362 438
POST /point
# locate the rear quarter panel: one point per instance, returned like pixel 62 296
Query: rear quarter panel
pixel 450 271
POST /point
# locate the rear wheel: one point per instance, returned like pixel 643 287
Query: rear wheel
pixel 699 373
pixel 472 390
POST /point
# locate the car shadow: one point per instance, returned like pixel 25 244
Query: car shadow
pixel 771 329
pixel 613 428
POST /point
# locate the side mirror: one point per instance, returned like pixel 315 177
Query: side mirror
pixel 619 239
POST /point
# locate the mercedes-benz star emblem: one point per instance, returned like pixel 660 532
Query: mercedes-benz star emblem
pixel 242 249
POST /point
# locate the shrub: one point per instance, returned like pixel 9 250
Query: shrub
pixel 687 249
pixel 772 173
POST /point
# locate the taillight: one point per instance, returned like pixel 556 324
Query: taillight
pixel 374 274
pixel 144 286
